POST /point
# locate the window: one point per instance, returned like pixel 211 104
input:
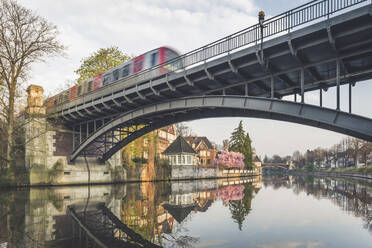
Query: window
pixel 79 90
pixel 188 159
pixel 183 159
pixel 145 155
pixel 125 72
pixel 174 159
pixel 106 79
pixel 208 161
pixel 179 159
pixel 170 55
pixel 176 64
pixel 115 74
pixel 208 153
pixel 90 86
pixel 154 59
pixel 145 142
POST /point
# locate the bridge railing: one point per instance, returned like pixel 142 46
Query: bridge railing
pixel 286 21
pixel 283 22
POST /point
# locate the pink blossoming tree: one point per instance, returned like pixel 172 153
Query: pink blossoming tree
pixel 231 193
pixel 230 160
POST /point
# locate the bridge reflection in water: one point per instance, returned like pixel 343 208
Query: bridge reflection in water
pixel 155 215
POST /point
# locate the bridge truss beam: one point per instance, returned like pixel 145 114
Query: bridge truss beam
pixel 148 118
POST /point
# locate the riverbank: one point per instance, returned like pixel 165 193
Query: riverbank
pixel 364 173
pixel 12 186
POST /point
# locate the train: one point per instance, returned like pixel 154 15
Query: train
pixel 152 58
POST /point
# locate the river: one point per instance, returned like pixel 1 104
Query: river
pixel 271 212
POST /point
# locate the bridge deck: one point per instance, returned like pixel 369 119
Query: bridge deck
pixel 346 38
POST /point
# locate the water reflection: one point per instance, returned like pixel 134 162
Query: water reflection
pixel 350 196
pixel 178 214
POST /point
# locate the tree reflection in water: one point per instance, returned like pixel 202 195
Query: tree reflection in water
pixel 351 196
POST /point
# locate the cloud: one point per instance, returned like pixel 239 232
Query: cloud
pixel 291 244
pixel 134 26
pixel 137 26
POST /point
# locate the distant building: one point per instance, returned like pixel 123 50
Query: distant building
pixel 180 153
pixel 149 146
pixel 165 136
pixel 204 148
pixel 256 161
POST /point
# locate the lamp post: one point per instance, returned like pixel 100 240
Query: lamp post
pixel 261 19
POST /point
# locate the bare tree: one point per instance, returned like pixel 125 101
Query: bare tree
pixel 183 130
pixel 25 38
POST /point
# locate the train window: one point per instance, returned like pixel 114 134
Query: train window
pixel 170 55
pixel 79 90
pixel 175 64
pixel 154 59
pixel 90 86
pixel 106 79
pixel 115 74
pixel 126 71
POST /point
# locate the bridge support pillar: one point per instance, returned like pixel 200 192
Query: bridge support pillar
pixel 48 145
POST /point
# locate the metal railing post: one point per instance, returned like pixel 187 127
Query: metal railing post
pixel 338 83
pixel 328 9
pixel 302 76
pixel 272 86
pixel 350 95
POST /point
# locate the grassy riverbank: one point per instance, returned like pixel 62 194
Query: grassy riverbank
pixel 362 170
pixel 361 173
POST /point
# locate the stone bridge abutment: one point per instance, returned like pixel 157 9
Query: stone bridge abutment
pixel 48 145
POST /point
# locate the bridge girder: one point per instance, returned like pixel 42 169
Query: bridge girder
pixel 286 55
pixel 157 115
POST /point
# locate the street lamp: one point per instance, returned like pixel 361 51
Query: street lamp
pixel 261 19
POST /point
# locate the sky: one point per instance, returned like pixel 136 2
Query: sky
pixel 137 26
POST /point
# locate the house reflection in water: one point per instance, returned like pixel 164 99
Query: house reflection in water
pixel 153 210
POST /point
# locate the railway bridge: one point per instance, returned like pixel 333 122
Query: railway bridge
pixel 263 71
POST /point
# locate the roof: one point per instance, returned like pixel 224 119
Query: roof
pixel 179 213
pixel 256 159
pixel 168 129
pixel 179 146
pixel 196 140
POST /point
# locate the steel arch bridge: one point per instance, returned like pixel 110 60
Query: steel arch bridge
pixel 121 130
pixel 323 44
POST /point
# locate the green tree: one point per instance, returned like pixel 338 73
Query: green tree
pixel 100 61
pixel 241 142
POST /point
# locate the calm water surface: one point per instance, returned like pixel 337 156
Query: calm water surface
pixel 269 212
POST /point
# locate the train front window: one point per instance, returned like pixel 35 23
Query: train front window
pixel 154 59
pixel 115 74
pixel 175 64
pixel 170 55
pixel 125 71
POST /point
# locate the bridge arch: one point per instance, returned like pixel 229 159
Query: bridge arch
pixel 157 115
